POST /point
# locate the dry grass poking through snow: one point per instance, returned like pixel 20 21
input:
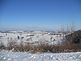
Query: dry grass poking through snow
pixel 42 48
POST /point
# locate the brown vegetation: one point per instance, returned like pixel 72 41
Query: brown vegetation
pixel 44 48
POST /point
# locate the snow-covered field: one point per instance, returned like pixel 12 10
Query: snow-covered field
pixel 31 37
pixel 25 56
pixel 35 37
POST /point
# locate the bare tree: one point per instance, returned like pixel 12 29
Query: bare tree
pixel 72 27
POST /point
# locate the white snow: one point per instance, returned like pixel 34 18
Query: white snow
pixel 31 37
pixel 25 56
pixel 36 36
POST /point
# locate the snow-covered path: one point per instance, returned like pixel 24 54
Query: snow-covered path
pixel 20 56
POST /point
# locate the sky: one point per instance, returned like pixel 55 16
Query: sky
pixel 39 14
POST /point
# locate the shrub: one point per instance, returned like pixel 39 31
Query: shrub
pixel 74 38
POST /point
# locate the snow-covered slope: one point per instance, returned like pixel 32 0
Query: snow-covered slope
pixel 25 56
pixel 31 37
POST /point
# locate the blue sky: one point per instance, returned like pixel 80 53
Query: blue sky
pixel 23 14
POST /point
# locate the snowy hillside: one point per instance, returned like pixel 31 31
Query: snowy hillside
pixel 31 37
pixel 25 56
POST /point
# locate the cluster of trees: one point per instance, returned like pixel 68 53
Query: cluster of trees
pixel 73 38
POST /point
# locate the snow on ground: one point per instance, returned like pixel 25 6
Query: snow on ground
pixel 35 36
pixel 25 56
pixel 31 37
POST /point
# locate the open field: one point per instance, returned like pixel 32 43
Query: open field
pixel 25 56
